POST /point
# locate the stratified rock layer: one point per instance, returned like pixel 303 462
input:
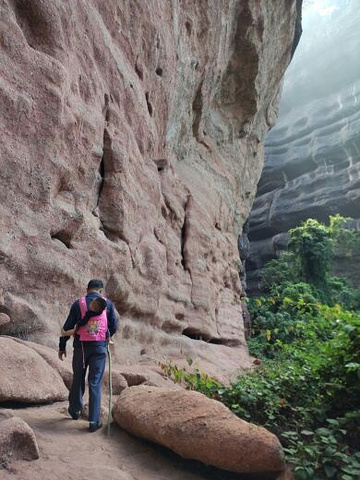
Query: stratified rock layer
pixel 131 145
pixel 312 166
pixel 198 428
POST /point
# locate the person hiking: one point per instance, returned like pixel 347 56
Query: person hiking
pixel 92 321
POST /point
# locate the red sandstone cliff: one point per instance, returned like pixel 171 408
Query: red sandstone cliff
pixel 131 144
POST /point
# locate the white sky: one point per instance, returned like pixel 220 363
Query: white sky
pixel 321 7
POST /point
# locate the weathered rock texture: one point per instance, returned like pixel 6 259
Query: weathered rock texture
pixel 4 319
pixel 312 166
pixel 196 427
pixel 26 377
pixel 131 145
pixel 64 368
pixel 17 441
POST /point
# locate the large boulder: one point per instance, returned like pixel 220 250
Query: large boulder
pixel 198 428
pixel 26 376
pixel 51 357
pixel 17 441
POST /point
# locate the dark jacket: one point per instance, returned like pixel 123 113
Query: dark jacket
pixel 74 318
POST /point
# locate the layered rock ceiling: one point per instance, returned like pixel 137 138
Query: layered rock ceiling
pixel 312 166
pixel 131 145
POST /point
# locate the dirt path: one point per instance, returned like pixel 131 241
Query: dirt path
pixel 69 452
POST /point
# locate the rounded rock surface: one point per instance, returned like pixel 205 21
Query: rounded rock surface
pixel 17 441
pixel 198 428
pixel 26 376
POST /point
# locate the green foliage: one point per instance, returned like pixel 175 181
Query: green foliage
pixel 312 243
pixel 309 395
pixel 322 453
pixel 192 380
pixel 307 390
pixel 280 270
pixel 310 260
pixel 280 317
pixel 346 240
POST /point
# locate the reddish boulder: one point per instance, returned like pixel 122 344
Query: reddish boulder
pixel 119 382
pixel 51 357
pixel 198 428
pixel 26 377
pixel 17 441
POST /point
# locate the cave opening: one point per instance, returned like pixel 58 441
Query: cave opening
pixel 64 237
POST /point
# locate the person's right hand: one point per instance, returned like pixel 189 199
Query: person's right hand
pixel 61 354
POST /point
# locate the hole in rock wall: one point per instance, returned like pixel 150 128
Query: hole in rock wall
pixel 102 178
pixel 164 212
pixel 161 164
pixel 139 71
pixel 183 240
pixel 63 237
pixel 197 107
pixel 105 160
pixel 188 27
pixel 184 236
pixel 107 111
pixel 219 341
pixel 149 106
pixel 194 334
pixel 159 72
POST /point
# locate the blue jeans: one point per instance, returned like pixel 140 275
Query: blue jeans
pixel 94 357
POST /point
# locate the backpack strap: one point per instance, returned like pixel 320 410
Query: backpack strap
pixel 83 306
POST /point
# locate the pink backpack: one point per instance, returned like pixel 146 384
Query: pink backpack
pixel 96 328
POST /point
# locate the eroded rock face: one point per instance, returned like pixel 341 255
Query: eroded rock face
pixel 17 441
pixel 26 377
pixel 131 144
pixel 312 166
pixel 198 428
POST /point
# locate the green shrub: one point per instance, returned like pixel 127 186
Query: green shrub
pixel 309 394
pixel 192 380
pixel 307 389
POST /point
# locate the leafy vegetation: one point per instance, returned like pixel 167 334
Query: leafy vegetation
pixel 192 380
pixel 312 248
pixel 306 330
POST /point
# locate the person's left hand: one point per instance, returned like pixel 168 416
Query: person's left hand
pixel 61 354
